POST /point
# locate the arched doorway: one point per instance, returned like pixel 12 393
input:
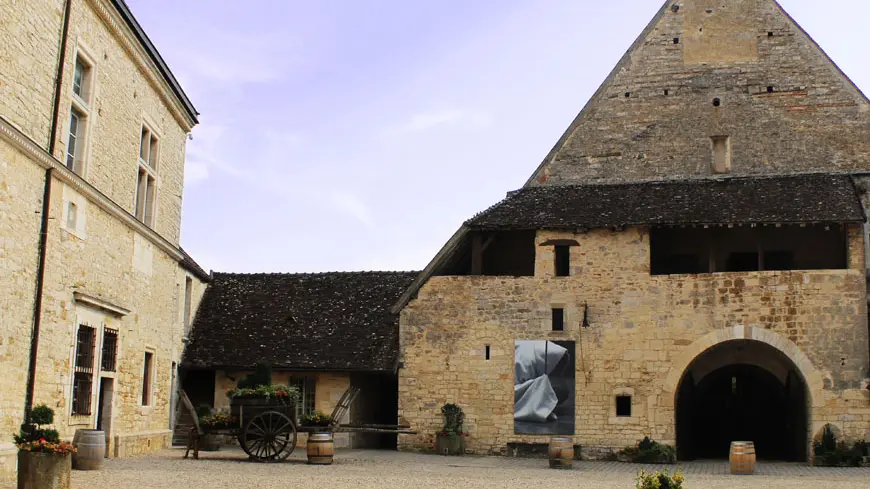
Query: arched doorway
pixel 742 390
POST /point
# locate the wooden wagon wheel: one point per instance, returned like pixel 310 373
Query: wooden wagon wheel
pixel 269 436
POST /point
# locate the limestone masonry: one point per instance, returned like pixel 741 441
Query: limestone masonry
pixel 113 297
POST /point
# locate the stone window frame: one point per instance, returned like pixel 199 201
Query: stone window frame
pixel 635 407
pixel 187 305
pixel 75 225
pixel 147 173
pixel 150 381
pixel 566 317
pixel 80 107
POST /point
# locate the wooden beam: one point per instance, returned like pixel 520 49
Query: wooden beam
pixel 477 254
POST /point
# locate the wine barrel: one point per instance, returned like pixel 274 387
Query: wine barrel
pixel 561 453
pixel 321 448
pixel 90 448
pixel 742 457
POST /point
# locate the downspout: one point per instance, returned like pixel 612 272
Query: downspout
pixel 37 301
pixel 58 79
pixel 43 226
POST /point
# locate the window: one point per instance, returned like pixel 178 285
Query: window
pixel 147 375
pixel 306 386
pixel 188 293
pixel 110 349
pixel 82 80
pixel 83 374
pixel 563 260
pixel 721 154
pixel 558 319
pixel 146 183
pixel 76 140
pixel 487 352
pixel 623 406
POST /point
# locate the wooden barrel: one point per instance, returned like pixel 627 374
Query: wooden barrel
pixel 742 457
pixel 321 448
pixel 90 448
pixel 561 453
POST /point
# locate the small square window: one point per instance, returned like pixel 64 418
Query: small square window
pixel 623 406
pixel 558 319
pixel 563 260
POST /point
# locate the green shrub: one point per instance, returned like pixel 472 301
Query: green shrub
pixel 453 418
pixel 261 376
pixel 315 418
pixel 41 414
pixel 203 410
pixel 650 452
pixel 659 480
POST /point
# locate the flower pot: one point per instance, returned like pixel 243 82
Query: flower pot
pixel 43 470
pixel 210 442
pixel 449 444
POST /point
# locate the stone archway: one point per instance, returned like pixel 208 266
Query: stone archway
pixel 776 381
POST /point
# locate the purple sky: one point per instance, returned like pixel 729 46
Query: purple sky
pixel 358 135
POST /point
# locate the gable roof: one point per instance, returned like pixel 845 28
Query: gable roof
pixel 189 264
pixel 768 200
pixel 155 56
pixel 652 117
pixel 327 321
pixel 809 198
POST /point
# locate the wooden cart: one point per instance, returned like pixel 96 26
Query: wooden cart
pixel 265 428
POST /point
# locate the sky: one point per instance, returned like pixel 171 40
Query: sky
pixel 341 135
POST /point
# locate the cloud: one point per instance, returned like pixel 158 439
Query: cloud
pixel 350 205
pixel 441 119
pixel 195 172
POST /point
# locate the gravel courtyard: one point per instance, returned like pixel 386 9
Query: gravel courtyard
pixel 356 469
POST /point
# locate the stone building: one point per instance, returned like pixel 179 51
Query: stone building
pixel 688 262
pixel 319 332
pixel 93 127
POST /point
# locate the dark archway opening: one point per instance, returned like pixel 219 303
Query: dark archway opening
pixel 742 391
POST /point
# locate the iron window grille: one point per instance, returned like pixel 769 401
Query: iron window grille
pixel 110 349
pixel 83 375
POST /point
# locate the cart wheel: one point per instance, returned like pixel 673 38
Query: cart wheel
pixel 269 437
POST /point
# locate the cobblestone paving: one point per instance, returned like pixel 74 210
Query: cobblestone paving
pixel 357 469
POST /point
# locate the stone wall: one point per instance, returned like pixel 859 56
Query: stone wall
pixel 782 102
pixel 101 268
pixel 644 332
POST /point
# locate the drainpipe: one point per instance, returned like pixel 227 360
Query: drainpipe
pixel 37 301
pixel 43 226
pixel 58 79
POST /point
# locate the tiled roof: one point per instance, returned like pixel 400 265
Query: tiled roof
pixel 193 267
pixel 786 199
pixel 327 321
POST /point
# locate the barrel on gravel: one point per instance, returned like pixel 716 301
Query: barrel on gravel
pixel 742 457
pixel 561 453
pixel 90 448
pixel 321 448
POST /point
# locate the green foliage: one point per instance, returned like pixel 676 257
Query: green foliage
pixel 453 418
pixel 203 410
pixel 261 376
pixel 41 414
pixel 35 437
pixel 281 392
pixel 659 480
pixel 217 420
pixel 315 418
pixel 832 453
pixel 650 452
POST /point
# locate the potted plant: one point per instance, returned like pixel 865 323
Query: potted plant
pixel 44 462
pixel 451 439
pixel 315 419
pixel 211 424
